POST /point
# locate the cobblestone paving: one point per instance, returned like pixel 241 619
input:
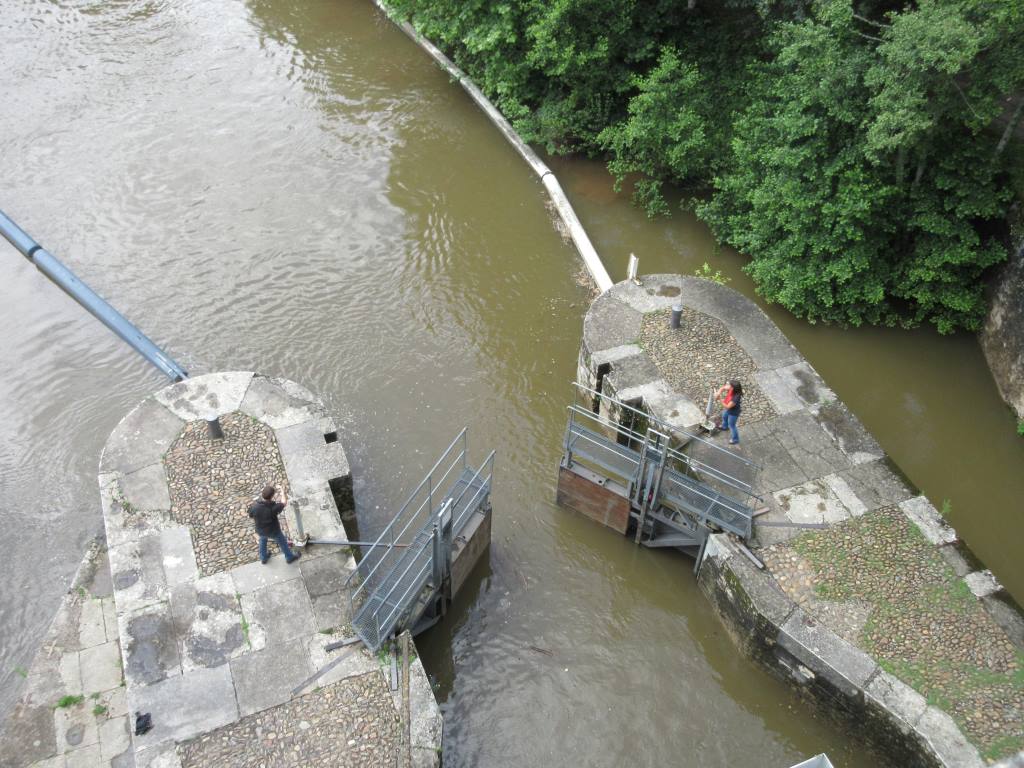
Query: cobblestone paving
pixel 213 482
pixel 349 723
pixel 924 625
pixel 699 356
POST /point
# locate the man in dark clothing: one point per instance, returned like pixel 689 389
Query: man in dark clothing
pixel 264 512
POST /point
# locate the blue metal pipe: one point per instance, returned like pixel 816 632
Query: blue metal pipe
pixel 48 264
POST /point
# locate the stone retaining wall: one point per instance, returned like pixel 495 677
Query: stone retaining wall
pixel 846 682
pixel 1002 338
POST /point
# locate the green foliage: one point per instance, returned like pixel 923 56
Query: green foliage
pixel 664 136
pixel 715 277
pixel 853 151
pixel 65 702
pixel 99 710
pixel 1020 427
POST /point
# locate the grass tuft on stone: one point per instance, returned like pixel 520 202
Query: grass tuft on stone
pixel 64 702
pixel 925 625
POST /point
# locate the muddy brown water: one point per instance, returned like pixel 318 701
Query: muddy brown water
pixel 293 187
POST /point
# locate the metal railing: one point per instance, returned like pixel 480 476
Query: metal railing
pixel 414 551
pixel 660 430
pixel 452 516
pixel 656 472
pixel 411 517
pixel 50 266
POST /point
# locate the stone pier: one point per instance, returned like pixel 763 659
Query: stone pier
pixel 866 601
pixel 187 625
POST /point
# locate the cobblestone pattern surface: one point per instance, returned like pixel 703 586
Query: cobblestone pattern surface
pixel 213 482
pixel 922 623
pixel 349 723
pixel 702 355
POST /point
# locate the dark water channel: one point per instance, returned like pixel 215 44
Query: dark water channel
pixel 293 187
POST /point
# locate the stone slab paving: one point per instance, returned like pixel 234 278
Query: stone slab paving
pixel 885 579
pixel 191 627
pixel 73 710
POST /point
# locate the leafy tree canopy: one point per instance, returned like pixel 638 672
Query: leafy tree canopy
pixel 857 152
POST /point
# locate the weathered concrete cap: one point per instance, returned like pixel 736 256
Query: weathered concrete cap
pixel 983 583
pixel 766 598
pixel 826 654
pixel 896 700
pixel 141 439
pixel 940 732
pixel 927 518
pixel 205 397
pixel 610 323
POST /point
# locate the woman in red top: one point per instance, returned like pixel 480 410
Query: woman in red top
pixel 731 397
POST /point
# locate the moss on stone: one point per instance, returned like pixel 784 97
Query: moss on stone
pixel 925 627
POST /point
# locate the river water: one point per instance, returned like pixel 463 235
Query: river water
pixel 293 187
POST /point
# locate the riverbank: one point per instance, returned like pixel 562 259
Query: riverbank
pixel 897 628
pixel 231 658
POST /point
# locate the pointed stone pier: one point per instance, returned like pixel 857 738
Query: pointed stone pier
pixel 222 651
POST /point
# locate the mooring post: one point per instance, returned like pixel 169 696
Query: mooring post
pixel 677 314
pixel 631 270
pixel 214 429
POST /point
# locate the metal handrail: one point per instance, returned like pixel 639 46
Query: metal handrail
pixel 389 529
pixel 484 486
pixel 614 449
pixel 384 598
pixel 699 466
pixel 670 428
pixel 456 522
pixel 622 430
pixel 695 464
pixel 389 588
pixel 716 501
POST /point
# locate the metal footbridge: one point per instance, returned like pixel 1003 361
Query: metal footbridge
pixel 403 576
pixel 680 487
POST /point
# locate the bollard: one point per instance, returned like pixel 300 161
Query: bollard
pixel 631 270
pixel 214 429
pixel 677 314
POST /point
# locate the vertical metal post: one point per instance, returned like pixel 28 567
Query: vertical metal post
pixel 634 265
pixel 298 521
pixel 406 708
pixel 436 554
pixel 677 314
pixel 214 429
pixel 568 438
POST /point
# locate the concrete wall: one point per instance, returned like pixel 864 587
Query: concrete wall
pixel 469 547
pixel 1002 338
